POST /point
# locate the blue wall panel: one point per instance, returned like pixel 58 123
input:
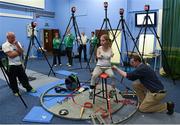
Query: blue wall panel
pixel 90 13
pixel 135 6
pixel 19 25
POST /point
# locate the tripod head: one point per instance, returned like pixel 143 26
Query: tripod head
pixel 105 5
pixel 121 11
pixel 33 24
pixel 146 8
pixel 73 10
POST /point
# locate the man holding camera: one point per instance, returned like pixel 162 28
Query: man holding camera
pixel 14 50
pixel 148 87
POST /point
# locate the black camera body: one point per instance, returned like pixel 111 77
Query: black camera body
pixel 33 24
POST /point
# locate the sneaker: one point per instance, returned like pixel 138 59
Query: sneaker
pixel 170 108
pixel 112 93
pixel 91 95
pixel 60 64
pixel 32 90
pixel 55 64
pixel 16 94
pixel 69 65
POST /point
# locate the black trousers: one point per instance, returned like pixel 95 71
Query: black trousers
pixel 83 47
pixel 69 54
pixel 56 55
pixel 15 72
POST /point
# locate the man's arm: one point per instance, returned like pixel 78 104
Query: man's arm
pixel 19 48
pixel 15 53
pixel 121 72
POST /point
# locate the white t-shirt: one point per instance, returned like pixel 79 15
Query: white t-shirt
pixel 6 47
pixel 105 61
pixel 83 38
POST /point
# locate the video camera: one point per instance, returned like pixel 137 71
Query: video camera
pixel 73 9
pixel 33 24
pixel 105 5
pixel 146 7
pixel 121 11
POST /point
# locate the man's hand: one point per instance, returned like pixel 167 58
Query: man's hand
pixel 114 68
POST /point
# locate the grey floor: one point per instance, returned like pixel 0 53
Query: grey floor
pixel 13 111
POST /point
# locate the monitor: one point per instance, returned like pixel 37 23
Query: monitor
pixel 139 18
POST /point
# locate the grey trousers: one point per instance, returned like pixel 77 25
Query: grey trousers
pixel 98 70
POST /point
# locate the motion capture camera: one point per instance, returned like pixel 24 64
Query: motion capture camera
pixel 146 7
pixel 73 9
pixel 121 11
pixel 33 24
pixel 105 4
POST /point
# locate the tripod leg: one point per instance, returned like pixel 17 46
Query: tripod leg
pixel 77 33
pixel 22 100
pixel 4 73
pixel 125 40
pixel 115 39
pixel 163 53
pixel 94 47
pixel 28 51
pixel 135 45
pixel 44 55
pixel 137 38
pixel 7 81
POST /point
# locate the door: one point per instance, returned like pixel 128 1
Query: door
pixel 47 34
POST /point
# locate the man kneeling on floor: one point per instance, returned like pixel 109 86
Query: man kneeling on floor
pixel 14 50
pixel 148 87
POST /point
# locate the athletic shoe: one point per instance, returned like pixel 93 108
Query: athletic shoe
pixel 170 108
pixel 32 90
pixel 16 94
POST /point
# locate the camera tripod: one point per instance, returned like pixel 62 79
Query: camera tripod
pixel 5 74
pixel 107 23
pixel 77 35
pixel 124 26
pixel 32 44
pixel 153 31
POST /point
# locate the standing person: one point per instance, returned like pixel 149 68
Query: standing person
pixel 83 45
pixel 56 49
pixel 148 87
pixel 104 54
pixel 68 40
pixel 14 50
pixel 93 46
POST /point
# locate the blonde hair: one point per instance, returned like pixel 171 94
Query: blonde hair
pixel 106 37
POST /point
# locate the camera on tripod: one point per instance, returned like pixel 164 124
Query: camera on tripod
pixel 146 7
pixel 105 5
pixel 121 11
pixel 73 9
pixel 33 24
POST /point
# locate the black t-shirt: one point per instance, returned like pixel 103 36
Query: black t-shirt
pixel 147 77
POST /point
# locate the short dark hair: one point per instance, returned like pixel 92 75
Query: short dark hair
pixel 136 57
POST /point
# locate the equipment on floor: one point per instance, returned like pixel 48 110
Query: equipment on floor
pixel 72 82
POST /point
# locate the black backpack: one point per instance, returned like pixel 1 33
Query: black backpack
pixel 72 82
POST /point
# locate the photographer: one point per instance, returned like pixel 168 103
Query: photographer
pixel 14 50
pixel 148 87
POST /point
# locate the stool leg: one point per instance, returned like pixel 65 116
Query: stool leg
pixel 94 95
pixel 116 97
pixel 103 87
pixel 106 93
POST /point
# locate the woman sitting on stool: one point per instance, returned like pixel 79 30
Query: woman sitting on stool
pixel 104 54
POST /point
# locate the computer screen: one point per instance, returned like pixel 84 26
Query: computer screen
pixel 139 19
